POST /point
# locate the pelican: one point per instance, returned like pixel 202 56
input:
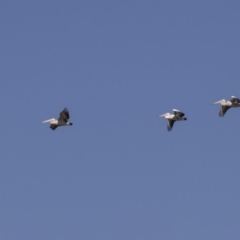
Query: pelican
pixel 171 118
pixel 61 121
pixel 225 105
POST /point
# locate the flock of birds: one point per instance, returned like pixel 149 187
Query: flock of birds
pixel 171 118
pixel 179 116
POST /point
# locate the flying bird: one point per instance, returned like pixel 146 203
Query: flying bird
pixel 171 118
pixel 225 105
pixel 61 121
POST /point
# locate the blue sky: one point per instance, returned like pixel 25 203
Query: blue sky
pixel 117 173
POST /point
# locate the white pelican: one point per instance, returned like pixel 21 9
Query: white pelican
pixel 62 120
pixel 225 105
pixel 171 118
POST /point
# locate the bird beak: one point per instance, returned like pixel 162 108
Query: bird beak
pixel 49 120
pixel 163 115
pixel 218 102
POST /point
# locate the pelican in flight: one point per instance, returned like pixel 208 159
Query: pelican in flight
pixel 225 105
pixel 61 121
pixel 171 118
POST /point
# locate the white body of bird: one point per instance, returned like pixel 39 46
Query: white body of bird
pixel 223 102
pixel 57 122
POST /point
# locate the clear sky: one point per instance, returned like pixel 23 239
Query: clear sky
pixel 117 173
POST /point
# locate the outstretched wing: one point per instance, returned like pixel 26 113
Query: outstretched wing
pixel 53 126
pixel 64 115
pixel 170 123
pixel 223 110
pixel 178 113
